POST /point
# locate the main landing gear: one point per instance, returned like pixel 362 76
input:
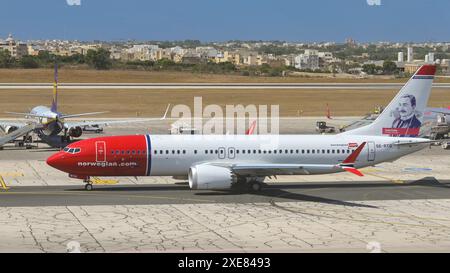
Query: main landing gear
pixel 255 186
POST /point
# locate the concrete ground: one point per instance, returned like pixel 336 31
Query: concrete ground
pixel 397 207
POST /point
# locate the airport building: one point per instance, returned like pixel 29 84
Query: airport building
pixel 15 48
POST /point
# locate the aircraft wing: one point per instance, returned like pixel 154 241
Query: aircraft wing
pixel 69 124
pixel 11 123
pixel 18 133
pixel 263 169
pixel 278 169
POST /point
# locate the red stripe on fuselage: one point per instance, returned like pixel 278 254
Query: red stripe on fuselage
pixel 125 156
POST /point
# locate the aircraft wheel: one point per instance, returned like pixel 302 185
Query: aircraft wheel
pixel 255 186
pixel 88 187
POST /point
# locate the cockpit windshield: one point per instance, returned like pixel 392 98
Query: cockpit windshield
pixel 72 150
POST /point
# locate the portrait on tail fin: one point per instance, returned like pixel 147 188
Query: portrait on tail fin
pixel 406 122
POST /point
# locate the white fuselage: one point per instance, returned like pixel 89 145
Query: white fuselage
pixel 173 155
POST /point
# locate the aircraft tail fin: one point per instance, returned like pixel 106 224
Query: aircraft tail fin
pixel 54 107
pixel 403 116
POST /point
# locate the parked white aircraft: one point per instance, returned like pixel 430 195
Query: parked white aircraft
pixel 50 122
pixel 224 161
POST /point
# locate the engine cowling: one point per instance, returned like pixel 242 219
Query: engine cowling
pixel 10 129
pixel 210 177
pixel 75 131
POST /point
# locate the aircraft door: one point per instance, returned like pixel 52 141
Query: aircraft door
pixel 100 151
pixel 231 153
pixel 371 151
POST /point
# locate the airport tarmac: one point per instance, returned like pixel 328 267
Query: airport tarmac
pixel 399 206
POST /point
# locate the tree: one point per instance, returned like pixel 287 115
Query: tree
pixel 6 60
pixel 99 59
pixel 389 67
pixel 28 61
pixel 370 69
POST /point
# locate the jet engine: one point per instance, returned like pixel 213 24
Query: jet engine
pixel 52 128
pixel 10 129
pixel 75 131
pixel 210 177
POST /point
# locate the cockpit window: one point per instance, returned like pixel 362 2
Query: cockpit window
pixel 72 150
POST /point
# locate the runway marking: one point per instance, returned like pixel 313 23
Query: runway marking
pixel 99 194
pixel 98 181
pixel 11 174
pixel 3 184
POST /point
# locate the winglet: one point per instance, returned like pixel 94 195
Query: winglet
pixel 165 113
pixel 353 156
pixel 251 129
pixel 328 112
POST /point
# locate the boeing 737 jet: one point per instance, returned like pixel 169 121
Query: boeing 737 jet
pixel 49 122
pixel 225 161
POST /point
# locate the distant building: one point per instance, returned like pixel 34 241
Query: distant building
pixel 410 55
pixel 193 58
pixel 16 49
pixel 307 60
pixel 400 57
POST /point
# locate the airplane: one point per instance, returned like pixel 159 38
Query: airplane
pixel 224 162
pixel 51 122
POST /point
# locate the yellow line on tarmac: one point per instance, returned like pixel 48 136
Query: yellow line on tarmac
pixel 3 184
pixel 398 181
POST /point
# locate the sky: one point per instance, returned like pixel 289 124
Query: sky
pixel 223 20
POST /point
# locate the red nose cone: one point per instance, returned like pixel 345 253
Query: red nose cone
pixel 56 160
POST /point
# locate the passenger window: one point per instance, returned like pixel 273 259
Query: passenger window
pixel 71 150
pixel 66 149
pixel 134 152
pixel 184 151
pixel 206 151
pixel 195 151
pixel 313 151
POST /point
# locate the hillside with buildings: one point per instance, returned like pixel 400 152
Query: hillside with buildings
pixel 267 58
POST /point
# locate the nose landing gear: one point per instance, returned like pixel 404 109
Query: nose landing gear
pixel 88 185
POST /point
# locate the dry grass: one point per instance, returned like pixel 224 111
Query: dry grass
pixel 152 103
pixel 77 75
